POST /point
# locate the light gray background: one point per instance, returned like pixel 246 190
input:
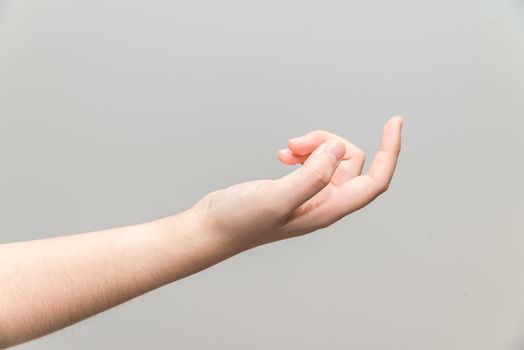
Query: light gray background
pixel 117 112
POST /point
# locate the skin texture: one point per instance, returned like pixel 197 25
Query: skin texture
pixel 51 283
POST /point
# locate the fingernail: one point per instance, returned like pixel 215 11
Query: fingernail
pixel 284 151
pixel 401 119
pixel 297 139
pixel 336 149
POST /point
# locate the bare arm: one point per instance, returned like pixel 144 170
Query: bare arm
pixel 48 284
pixel 51 283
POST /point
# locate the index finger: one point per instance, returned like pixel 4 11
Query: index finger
pixel 306 144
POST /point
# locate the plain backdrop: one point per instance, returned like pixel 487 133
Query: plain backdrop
pixel 118 112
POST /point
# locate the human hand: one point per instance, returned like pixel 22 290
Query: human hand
pixel 52 283
pixel 327 187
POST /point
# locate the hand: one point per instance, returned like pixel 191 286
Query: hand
pixel 327 187
pixel 52 283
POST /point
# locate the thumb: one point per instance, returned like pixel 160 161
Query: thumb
pixel 297 187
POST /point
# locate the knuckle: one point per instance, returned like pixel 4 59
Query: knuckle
pixel 317 178
pixel 396 150
pixel 359 155
pixel 208 202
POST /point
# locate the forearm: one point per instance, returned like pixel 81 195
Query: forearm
pixel 49 284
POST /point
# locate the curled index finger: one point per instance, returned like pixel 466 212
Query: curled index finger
pixel 306 144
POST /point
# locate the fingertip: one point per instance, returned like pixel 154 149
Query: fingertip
pixel 301 146
pixel 287 157
pixel 295 143
pixel 393 126
pixel 281 155
pixel 296 140
pixel 391 134
pixel 397 120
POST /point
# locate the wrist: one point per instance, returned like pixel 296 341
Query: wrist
pixel 193 243
pixel 215 238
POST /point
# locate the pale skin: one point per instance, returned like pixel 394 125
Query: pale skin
pixel 49 284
